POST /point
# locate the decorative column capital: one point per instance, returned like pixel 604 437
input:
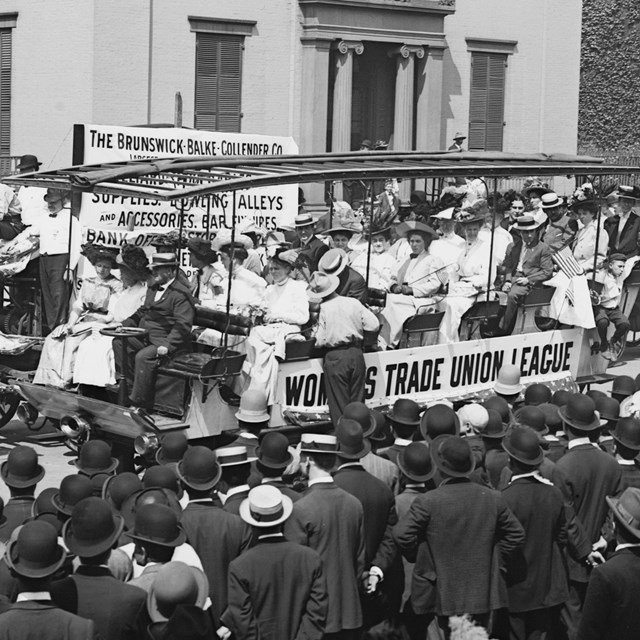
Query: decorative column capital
pixel 407 50
pixel 345 46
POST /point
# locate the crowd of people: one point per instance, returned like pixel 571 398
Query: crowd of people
pixel 521 512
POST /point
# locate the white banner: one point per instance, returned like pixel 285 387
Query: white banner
pixel 113 220
pixel 428 374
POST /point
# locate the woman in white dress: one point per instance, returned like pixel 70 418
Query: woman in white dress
pixel 469 278
pixel 383 267
pixel 286 309
pixel 90 308
pixel 416 281
pixel 584 246
pixel 95 364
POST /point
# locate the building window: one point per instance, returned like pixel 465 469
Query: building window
pixel 486 108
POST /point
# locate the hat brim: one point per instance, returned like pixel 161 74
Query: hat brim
pixel 128 508
pixel 84 550
pixel 235 463
pixel 272 464
pixel 401 420
pixel 613 505
pixel 529 190
pixel 405 228
pixel 495 436
pixel 201 598
pixel 331 289
pixel 20 484
pixel 439 463
pixel 28 572
pixel 161 459
pixel 633 447
pixel 507 389
pixel 413 476
pixel 89 471
pixel 304 224
pixel 594 424
pixel 532 463
pixel 328 232
pixel 247 417
pixel 537 225
pixel 180 540
pixel 60 506
pixel 357 455
pixel 164 264
pixel 198 486
pixel 245 514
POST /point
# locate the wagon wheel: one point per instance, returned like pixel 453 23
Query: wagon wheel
pixel 8 406
pixel 18 322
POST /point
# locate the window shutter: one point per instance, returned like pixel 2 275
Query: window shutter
pixel 486 108
pixel 218 82
pixel 5 92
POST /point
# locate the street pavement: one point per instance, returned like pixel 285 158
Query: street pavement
pixel 57 458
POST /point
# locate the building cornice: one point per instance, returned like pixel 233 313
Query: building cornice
pixel 417 6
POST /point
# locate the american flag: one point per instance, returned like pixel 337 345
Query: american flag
pixel 567 263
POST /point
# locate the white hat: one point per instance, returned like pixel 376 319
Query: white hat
pixel 445 214
pixel 318 443
pixel 231 456
pixel 473 417
pixel 265 506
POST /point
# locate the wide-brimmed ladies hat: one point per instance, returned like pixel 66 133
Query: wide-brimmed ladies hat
pixel 523 444
pixel 626 510
pixel 580 413
pixel 415 462
pixel 21 468
pixel 453 456
pixel 201 248
pixel 536 187
pixel 416 226
pixel 96 253
pixel 34 552
pixel 528 223
pixel 199 469
pixel 322 285
pixel 265 506
pixel 134 260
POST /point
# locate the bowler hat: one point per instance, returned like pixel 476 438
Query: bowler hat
pixel 496 428
pixel 35 552
pixel 199 469
pixel 163 260
pixel 333 262
pixel 500 405
pixel 595 394
pixel 28 161
pixel 318 443
pixel 95 457
pixel 232 456
pixel 187 622
pixel 162 476
pixel 415 462
pixel 157 524
pixel 405 411
pixel 580 413
pixel 359 412
pixel 352 444
pixel 438 420
pixel 92 529
pixel 201 248
pixel 322 285
pixel 531 416
pixel 453 456
pixel 551 416
pixel 172 447
pixel 176 583
pixel 44 502
pixel 523 444
pixel 623 386
pixel 21 468
pixel 273 451
pixel 304 220
pixel 119 487
pixel 98 481
pixel 253 407
pixel 139 499
pixel 72 490
pixel 560 397
pixel 537 393
pixel 626 510
pixel 265 506
pixel 381 430
pixel 508 383
pixel 627 433
pixel 608 408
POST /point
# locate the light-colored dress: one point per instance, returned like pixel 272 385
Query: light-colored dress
pixel 95 363
pixel 287 309
pixel 383 268
pixel 419 273
pixel 470 278
pixel 584 247
pixel 501 240
pixel 59 354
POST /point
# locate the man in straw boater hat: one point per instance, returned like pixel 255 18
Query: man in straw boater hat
pixel 235 462
pixel 612 603
pixel 466 526
pixel 339 333
pixel 34 556
pixel 592 475
pixel 308 245
pixel 560 229
pixel 277 589
pixel 92 591
pixel 527 264
pixel 536 576
pixel 167 314
pixel 352 284
pixel 624 227
pixel 217 536
pixel 331 521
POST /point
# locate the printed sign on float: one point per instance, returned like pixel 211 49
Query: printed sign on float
pixel 114 220
pixel 431 373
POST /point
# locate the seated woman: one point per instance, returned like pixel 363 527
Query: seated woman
pixel 286 309
pixel 94 360
pixel 417 279
pixel 59 350
pixel 468 279
pixel 584 246
pixel 383 267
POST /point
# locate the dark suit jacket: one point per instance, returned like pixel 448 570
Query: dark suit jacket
pixel 233 502
pixel 536 572
pixel 591 474
pixel 469 531
pixel 391 453
pixel 352 285
pixel 379 509
pixel 218 538
pixel 382 469
pixel 93 593
pixel 16 511
pixel 311 252
pixel 537 265
pixel 628 244
pixel 330 521
pixel 277 591
pixel 43 620
pixel 169 320
pixel 612 606
pixel 630 475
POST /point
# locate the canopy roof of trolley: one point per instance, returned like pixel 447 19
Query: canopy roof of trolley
pixel 180 178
